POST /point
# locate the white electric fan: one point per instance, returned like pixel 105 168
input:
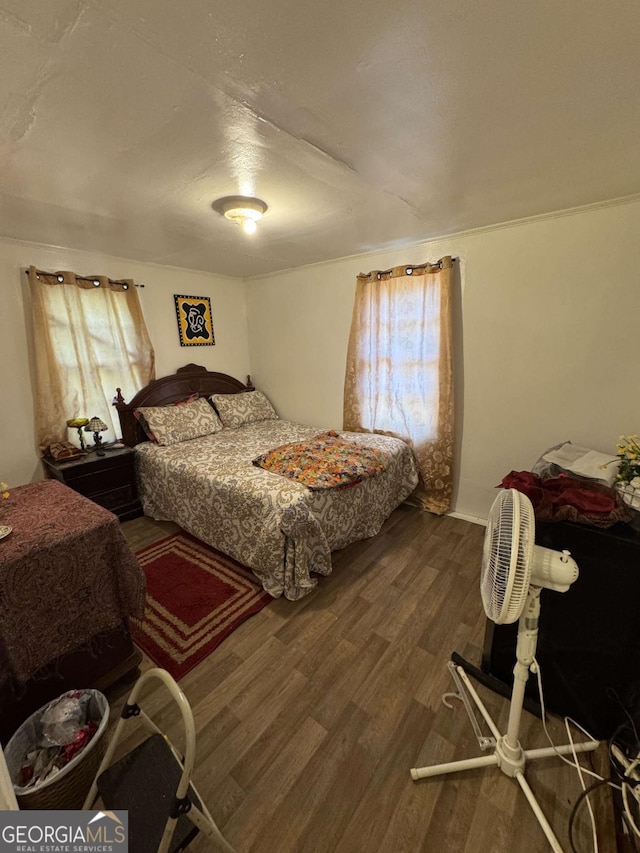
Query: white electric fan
pixel 514 570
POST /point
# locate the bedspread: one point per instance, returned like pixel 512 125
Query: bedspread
pixel 277 527
pixel 324 462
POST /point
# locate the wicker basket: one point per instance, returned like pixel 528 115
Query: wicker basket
pixel 68 788
pixel 630 495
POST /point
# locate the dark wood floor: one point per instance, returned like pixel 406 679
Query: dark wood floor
pixel 311 714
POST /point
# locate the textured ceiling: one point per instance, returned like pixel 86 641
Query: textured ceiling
pixel 363 125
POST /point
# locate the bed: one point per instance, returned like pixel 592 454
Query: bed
pixel 281 529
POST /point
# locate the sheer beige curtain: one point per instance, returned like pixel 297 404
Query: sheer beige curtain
pixel 89 338
pixel 399 377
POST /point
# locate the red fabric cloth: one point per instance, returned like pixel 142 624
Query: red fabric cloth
pixel 566 499
pixel 66 575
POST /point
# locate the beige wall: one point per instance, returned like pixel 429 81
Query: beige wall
pixel 18 456
pixel 548 339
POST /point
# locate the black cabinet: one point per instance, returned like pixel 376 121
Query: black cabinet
pixel 589 638
pixel 108 480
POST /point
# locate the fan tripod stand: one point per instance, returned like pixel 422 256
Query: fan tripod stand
pixel 508 754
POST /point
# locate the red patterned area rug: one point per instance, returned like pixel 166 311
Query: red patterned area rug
pixel 196 597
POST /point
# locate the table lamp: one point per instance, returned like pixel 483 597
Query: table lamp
pixel 78 423
pixel 96 426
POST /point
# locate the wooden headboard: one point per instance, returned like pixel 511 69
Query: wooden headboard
pixel 188 380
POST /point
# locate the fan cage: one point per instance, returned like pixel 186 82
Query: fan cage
pixel 507 554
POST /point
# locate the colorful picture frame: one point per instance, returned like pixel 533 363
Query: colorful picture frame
pixel 195 321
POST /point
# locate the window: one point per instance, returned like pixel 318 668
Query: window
pixel 399 377
pixel 89 338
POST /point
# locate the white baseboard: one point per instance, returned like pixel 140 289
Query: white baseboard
pixel 474 519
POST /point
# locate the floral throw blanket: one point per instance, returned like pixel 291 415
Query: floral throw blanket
pixel 324 462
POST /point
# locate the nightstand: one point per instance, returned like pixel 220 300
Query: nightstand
pixel 108 480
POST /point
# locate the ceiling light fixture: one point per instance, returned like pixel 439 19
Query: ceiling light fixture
pixel 241 209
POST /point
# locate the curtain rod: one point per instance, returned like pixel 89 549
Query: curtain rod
pixel 412 267
pixel 82 277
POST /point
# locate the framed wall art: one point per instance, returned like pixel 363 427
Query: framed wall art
pixel 195 322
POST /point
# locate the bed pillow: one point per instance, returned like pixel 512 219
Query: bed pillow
pixel 244 408
pixel 143 423
pixel 139 416
pixel 171 424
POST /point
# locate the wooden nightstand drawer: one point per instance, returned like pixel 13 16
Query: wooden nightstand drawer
pixel 115 498
pixel 91 482
pixel 108 480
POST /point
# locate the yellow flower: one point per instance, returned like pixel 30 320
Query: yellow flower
pixel 628 452
pixel 5 491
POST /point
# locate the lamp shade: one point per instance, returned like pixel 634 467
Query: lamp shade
pixel 96 425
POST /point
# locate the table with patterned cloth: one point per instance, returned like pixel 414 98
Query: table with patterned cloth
pixel 67 576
